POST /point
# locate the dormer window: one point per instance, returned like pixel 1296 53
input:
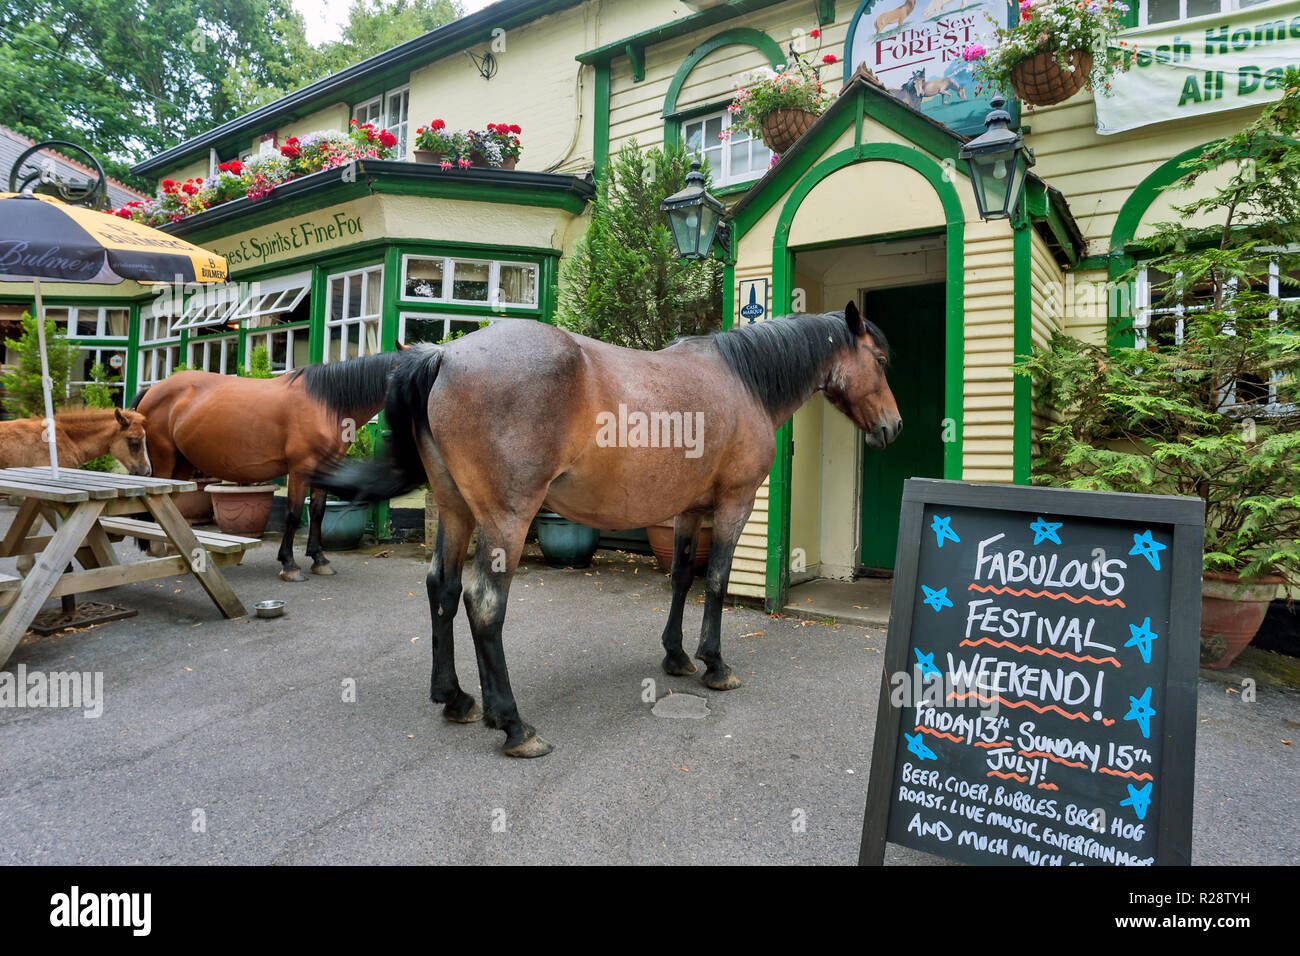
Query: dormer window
pixel 390 111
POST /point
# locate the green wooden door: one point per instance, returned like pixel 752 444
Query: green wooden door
pixel 912 319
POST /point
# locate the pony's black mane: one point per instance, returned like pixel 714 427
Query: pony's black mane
pixel 778 360
pixel 349 386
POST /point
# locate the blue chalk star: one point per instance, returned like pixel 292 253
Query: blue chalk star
pixel 1142 638
pixel 941 530
pixel 1139 799
pixel 926 663
pixel 917 746
pixel 1046 531
pixel 1149 548
pixel 936 599
pixel 1140 709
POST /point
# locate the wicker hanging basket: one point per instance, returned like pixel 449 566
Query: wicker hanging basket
pixel 782 127
pixel 1041 81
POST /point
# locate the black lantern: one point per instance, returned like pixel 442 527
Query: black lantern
pixel 998 160
pixel 693 217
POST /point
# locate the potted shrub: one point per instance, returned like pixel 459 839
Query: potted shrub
pixel 779 106
pixel 1207 404
pixel 628 246
pixel 1056 49
pixel 498 145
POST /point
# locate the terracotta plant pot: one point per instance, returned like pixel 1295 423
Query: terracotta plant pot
pixel 427 156
pixel 782 127
pixel 196 506
pixel 242 510
pixel 1231 614
pixel 661 543
pixel 1041 81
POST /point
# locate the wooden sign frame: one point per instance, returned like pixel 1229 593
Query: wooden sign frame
pixel 1185 517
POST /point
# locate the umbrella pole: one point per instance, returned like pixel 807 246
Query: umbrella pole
pixel 45 381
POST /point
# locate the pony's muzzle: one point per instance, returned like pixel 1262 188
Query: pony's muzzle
pixel 883 434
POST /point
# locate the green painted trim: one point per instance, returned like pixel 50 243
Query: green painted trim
pixel 825 12
pixel 482 193
pixel 778 529
pixel 675 28
pixel 729 297
pixel 316 337
pixel 600 135
pixel 742 36
pixel 636 59
pixel 131 374
pixel 863 7
pixel 1121 257
pixel 1022 346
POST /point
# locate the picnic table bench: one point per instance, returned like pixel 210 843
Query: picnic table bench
pixel 87 509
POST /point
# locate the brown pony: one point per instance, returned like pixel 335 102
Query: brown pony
pixel 251 430
pixel 80 436
pixel 922 89
pixel 521 415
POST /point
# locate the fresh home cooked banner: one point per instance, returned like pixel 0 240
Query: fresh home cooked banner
pixel 1203 65
pixel 914 47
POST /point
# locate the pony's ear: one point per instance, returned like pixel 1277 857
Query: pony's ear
pixel 854 319
pixel 401 347
pixel 121 419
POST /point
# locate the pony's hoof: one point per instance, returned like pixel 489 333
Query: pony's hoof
pixel 721 680
pixel 325 570
pixel 534 745
pixel 463 714
pixel 293 577
pixel 678 667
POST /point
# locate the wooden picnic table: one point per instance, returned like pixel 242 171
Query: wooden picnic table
pixel 85 508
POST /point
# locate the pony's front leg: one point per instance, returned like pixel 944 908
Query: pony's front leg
pixel 487 587
pixel 685 527
pixel 289 570
pixel 728 520
pixel 319 563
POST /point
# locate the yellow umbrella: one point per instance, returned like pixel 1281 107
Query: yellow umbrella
pixel 43 238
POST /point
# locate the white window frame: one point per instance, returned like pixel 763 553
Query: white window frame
pixel 368 324
pixel 725 177
pixel 1225 6
pixel 377 110
pixel 1145 312
pixel 210 306
pixel 445 317
pixel 76 313
pixel 97 351
pixel 159 351
pixel 377 104
pixel 497 303
pixel 228 361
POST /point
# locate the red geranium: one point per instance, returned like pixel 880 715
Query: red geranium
pixel 830 58
pixel 515 128
pixel 815 34
pixel 437 124
pixel 387 139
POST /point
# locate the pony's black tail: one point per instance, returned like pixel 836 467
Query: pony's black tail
pixel 397 468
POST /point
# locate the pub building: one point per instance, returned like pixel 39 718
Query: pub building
pixel 872 204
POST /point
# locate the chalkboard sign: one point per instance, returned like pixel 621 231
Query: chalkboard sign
pixel 1038 704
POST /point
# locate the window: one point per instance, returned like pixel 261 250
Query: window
pixel 113 358
pixel 391 111
pixel 210 306
pixel 736 159
pixel 354 302
pixel 488 282
pixel 79 322
pixel 215 353
pixel 1151 12
pixel 1157 325
pixel 160 350
pixel 415 327
pixel 276 313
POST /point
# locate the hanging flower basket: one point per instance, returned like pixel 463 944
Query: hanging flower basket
pixel 1042 81
pixel 782 127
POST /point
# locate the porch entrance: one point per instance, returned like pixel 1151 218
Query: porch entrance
pixel 912 318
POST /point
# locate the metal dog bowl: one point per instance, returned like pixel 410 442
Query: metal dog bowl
pixel 269 608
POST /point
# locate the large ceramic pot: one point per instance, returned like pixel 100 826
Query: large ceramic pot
pixel 1231 613
pixel 196 506
pixel 1042 81
pixel 242 510
pixel 566 543
pixel 661 543
pixel 343 525
pixel 426 156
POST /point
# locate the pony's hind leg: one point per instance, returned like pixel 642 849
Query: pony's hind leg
pixel 316 513
pixel 495 558
pixel 455 525
pixel 729 518
pixel 685 527
pixel 289 570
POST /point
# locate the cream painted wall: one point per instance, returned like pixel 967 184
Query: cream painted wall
pixel 826 216
pixel 335 116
